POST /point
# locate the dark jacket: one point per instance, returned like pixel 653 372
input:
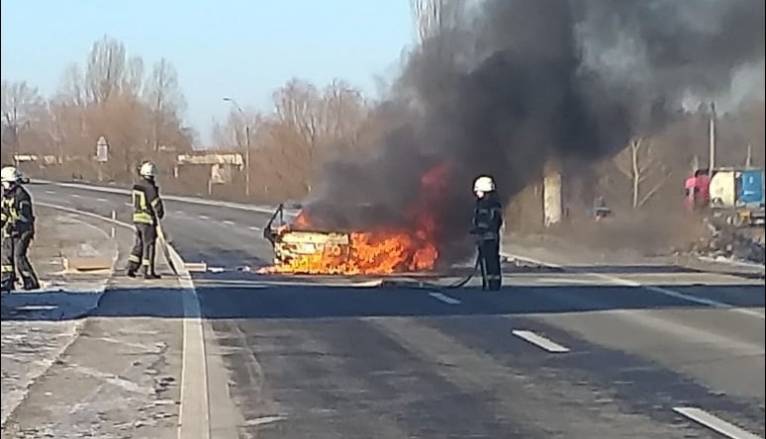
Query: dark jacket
pixel 487 217
pixel 17 213
pixel 147 204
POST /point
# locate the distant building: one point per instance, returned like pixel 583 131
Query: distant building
pixel 220 166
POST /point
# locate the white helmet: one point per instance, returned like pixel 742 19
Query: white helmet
pixel 148 170
pixel 483 185
pixel 10 174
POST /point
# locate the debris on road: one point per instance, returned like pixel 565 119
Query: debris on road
pixel 746 245
pixel 87 264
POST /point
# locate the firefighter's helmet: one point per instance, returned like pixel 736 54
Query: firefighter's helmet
pixel 483 184
pixel 10 174
pixel 148 170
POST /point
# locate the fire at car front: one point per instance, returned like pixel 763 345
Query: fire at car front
pixel 305 246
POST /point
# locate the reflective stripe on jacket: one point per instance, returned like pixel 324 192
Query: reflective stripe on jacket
pixel 17 213
pixel 488 217
pixel 147 204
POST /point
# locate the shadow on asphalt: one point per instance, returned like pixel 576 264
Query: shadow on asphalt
pixel 264 300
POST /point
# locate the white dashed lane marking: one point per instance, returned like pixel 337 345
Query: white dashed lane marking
pixel 203 217
pixel 715 423
pixel 540 341
pixel 444 298
pixel 228 222
pixel 102 200
pixel 74 196
pixel 50 192
pixel 256 229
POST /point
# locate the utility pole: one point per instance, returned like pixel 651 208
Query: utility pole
pixel 247 159
pixel 711 160
pixel 247 143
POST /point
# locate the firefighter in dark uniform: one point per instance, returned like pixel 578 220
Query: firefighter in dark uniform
pixel 487 220
pixel 18 231
pixel 147 211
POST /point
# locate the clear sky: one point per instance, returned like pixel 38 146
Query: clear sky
pixel 239 48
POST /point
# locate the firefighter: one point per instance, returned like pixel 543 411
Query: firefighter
pixel 18 231
pixel 147 211
pixel 487 220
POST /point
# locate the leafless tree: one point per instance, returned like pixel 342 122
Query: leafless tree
pixel 432 17
pixel 134 76
pixel 22 106
pixel 164 96
pixel 343 113
pixel 72 87
pixel 297 105
pixel 105 70
pixel 638 162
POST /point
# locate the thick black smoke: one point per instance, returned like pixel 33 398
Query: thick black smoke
pixel 517 84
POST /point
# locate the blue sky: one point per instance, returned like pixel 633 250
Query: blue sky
pixel 243 49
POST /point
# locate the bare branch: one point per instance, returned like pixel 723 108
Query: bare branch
pixel 649 194
pixel 106 69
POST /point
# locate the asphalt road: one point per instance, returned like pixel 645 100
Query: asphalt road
pixel 584 354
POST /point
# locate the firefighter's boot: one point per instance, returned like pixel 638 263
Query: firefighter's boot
pixel 31 283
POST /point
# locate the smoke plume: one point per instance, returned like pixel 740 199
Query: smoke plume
pixel 515 84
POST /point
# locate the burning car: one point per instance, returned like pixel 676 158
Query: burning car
pixel 306 246
pixel 360 239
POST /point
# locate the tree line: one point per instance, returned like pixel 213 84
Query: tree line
pixel 112 94
pixel 139 110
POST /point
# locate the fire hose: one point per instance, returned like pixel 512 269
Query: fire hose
pixel 433 286
pixel 465 280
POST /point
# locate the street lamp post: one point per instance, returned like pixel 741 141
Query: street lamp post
pixel 247 143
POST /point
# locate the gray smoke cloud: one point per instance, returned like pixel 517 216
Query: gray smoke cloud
pixel 515 84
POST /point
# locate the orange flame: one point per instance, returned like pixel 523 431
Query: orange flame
pixel 301 221
pixel 381 251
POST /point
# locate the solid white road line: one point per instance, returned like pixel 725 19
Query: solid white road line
pixel 659 290
pixel 715 423
pixel 540 341
pixel 730 262
pixel 263 420
pixel 675 294
pixel 194 410
pixel 444 298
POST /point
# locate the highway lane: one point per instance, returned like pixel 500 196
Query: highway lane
pixel 216 233
pixel 327 361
